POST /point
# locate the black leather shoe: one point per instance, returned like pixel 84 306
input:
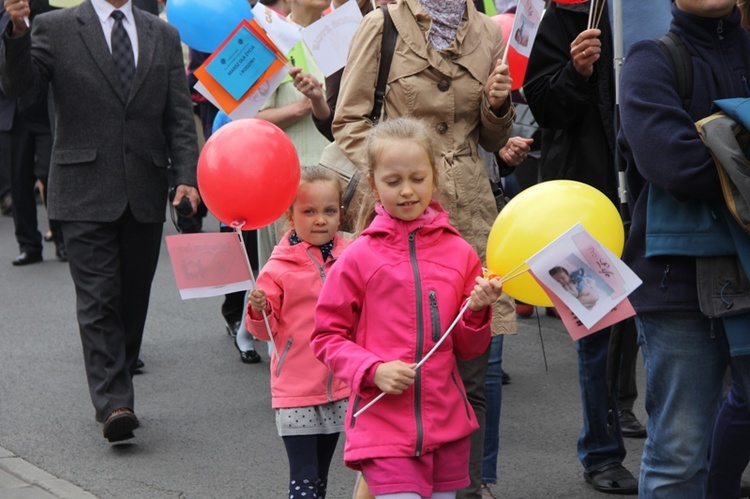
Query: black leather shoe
pixel 745 488
pixel 506 378
pixel 631 427
pixel 6 205
pixel 249 357
pixel 61 252
pixel 139 365
pixel 119 425
pixel 27 259
pixel 612 479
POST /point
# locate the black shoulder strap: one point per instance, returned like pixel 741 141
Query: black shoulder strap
pixel 682 65
pixel 386 57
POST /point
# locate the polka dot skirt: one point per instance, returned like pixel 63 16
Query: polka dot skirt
pixel 314 420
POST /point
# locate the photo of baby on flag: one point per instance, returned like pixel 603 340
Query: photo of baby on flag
pixel 525 25
pixel 588 278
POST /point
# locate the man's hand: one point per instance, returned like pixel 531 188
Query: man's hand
pixel 515 151
pixel 183 191
pixel 394 377
pixel 18 12
pixel 585 50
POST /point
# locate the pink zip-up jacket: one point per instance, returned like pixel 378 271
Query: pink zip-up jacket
pixel 292 279
pixel 391 296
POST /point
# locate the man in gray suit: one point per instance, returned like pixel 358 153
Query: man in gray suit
pixel 121 105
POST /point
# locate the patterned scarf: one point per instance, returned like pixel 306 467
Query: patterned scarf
pixel 446 15
pixel 325 249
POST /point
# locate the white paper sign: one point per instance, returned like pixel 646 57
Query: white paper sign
pixel 585 275
pixel 283 33
pixel 328 39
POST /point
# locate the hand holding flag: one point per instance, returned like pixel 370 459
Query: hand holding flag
pixel 585 51
pixel 498 86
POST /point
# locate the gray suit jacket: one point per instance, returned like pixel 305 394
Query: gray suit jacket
pixel 110 149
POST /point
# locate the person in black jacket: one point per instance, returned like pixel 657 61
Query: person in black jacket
pixel 569 86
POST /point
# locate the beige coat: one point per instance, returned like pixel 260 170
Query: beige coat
pixel 447 90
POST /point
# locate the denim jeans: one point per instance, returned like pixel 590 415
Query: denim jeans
pixel 686 355
pixel 493 390
pixel 596 446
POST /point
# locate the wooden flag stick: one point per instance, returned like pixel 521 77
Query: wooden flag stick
pixel 601 12
pixel 238 230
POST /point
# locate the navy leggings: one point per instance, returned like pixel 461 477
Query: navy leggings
pixel 730 449
pixel 309 460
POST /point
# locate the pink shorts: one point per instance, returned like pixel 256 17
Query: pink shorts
pixel 444 469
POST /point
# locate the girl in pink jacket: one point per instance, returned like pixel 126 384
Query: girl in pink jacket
pixel 310 403
pixel 384 306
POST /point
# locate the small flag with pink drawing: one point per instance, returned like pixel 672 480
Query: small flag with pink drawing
pixel 209 264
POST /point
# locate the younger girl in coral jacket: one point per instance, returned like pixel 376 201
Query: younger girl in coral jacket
pixel 310 403
pixel 385 305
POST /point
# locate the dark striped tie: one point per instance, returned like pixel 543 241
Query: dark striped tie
pixel 122 51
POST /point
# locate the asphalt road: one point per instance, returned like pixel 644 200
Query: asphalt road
pixel 207 428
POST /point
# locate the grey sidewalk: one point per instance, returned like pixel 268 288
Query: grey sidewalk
pixel 20 479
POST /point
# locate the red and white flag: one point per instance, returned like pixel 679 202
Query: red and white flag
pixel 209 264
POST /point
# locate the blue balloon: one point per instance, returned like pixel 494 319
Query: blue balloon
pixel 220 120
pixel 205 24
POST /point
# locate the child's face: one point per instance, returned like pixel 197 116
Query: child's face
pixel 316 214
pixel 403 179
pixel 563 278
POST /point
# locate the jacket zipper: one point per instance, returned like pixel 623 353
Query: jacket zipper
pixel 664 279
pixel 321 269
pixel 435 316
pixel 420 340
pixel 283 356
pixel 322 272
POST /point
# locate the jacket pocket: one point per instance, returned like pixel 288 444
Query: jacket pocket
pixel 283 356
pixel 434 316
pixel 160 159
pixel 462 393
pixel 65 157
pixel 355 408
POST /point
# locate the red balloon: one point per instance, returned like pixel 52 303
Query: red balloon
pixel 248 173
pixel 516 62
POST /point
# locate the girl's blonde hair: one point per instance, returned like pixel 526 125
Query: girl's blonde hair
pixel 312 174
pixel 397 129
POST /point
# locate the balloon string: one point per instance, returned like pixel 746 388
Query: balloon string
pixel 237 226
pixel 513 276
pixel 513 273
pixel 424 359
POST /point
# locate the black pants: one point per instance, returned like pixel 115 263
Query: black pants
pixel 628 363
pixel 473 374
pixel 112 265
pixel 29 161
pixel 309 461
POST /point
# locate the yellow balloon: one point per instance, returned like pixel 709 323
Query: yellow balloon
pixel 535 218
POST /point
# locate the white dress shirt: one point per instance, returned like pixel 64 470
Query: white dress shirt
pixel 104 11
